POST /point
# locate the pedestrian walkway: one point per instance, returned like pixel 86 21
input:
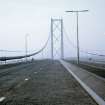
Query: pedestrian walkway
pixel 93 84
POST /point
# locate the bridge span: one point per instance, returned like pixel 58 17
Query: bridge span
pixel 41 82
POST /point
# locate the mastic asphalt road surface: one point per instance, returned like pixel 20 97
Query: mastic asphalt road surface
pixel 43 82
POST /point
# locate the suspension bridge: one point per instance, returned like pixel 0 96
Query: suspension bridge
pixel 56 80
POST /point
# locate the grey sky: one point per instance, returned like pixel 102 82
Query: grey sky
pixel 19 17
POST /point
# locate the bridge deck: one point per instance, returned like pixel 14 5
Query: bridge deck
pixel 41 83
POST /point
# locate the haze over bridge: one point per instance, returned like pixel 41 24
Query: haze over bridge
pixel 51 81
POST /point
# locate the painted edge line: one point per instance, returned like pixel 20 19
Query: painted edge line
pixel 2 98
pixel 97 98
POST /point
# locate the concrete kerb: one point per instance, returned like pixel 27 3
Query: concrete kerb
pixel 97 98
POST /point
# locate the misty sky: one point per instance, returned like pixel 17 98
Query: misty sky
pixel 19 17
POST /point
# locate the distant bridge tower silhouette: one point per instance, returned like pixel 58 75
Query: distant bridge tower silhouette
pixel 57 42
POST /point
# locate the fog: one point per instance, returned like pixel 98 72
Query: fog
pixel 21 17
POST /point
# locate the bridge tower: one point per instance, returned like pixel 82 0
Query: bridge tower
pixel 57 47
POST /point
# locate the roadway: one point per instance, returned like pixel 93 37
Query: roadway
pixel 42 82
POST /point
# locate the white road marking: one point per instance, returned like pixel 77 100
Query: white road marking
pixel 96 97
pixel 2 98
pixel 40 68
pixel 35 72
pixel 26 79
